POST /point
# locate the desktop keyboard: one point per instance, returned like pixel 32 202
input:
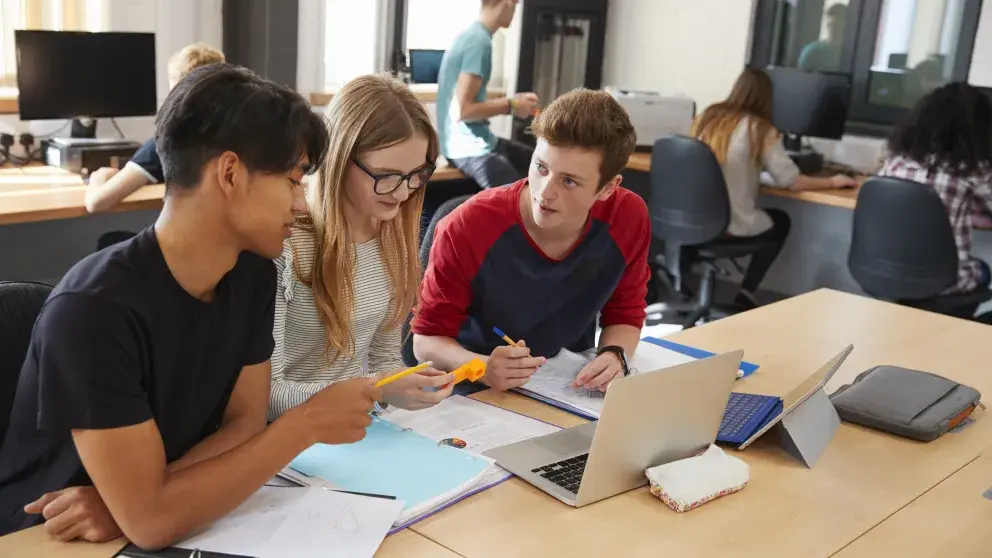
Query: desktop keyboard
pixel 745 414
pixel 566 473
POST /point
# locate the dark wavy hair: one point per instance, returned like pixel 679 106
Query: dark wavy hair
pixel 950 130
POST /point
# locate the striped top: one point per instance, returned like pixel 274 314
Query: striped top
pixel 301 366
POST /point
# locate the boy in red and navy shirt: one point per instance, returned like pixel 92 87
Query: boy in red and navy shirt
pixel 541 258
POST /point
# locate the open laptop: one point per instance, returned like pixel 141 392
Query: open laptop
pixel 749 415
pixel 648 419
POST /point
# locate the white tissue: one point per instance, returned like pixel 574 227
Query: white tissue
pixel 691 482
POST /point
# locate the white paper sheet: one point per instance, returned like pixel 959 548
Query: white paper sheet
pixel 481 426
pixel 279 522
pixel 553 381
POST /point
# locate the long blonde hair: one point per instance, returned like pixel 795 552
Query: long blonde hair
pixel 369 113
pixel 751 97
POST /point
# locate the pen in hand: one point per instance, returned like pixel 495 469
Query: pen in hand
pixel 505 337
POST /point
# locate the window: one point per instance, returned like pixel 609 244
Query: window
pixel 56 15
pixel 351 37
pixel 894 50
pixel 914 51
pixel 435 24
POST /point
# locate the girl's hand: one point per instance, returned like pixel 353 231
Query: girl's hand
pixel 419 390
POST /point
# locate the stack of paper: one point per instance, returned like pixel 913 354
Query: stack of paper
pixel 457 422
pixel 397 462
pixel 477 427
pixel 282 522
pixel 552 383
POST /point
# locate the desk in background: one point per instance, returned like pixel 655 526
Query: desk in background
pixel 41 193
pixel 837 197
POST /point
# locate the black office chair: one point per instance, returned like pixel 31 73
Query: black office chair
pixel 903 251
pixel 20 304
pixel 690 211
pixel 425 252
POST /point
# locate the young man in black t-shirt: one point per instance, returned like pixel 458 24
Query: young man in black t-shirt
pixel 147 375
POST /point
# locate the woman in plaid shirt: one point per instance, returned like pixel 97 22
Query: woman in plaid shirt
pixel 946 142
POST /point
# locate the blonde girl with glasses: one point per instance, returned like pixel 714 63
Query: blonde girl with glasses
pixel 349 271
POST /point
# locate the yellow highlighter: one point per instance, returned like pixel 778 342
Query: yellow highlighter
pixel 403 374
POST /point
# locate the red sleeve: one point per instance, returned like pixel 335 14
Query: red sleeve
pixel 630 228
pixel 461 242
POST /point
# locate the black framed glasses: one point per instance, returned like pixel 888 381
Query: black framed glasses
pixel 388 183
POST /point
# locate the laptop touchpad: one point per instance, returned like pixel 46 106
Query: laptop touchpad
pixel 569 441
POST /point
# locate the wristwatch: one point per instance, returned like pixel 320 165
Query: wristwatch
pixel 510 105
pixel 619 352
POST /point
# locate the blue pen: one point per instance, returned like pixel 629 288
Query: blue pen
pixel 506 338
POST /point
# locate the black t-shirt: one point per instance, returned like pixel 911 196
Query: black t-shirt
pixel 147 161
pixel 120 342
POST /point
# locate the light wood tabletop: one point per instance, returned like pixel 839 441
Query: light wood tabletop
pixel 35 543
pixel 43 193
pixel 952 519
pixel 837 197
pixel 864 476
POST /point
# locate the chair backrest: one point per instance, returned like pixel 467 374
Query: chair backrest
pixel 20 304
pixel 441 212
pixel 688 202
pixel 902 245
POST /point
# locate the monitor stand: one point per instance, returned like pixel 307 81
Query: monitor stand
pixel 83 132
pixel 806 158
pixel 83 127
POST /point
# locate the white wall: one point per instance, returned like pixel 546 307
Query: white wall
pixel 691 47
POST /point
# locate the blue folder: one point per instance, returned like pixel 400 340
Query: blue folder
pixel 747 368
pixel 393 461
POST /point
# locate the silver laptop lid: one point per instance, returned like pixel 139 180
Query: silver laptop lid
pixel 655 418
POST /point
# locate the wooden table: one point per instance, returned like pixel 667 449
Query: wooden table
pixel 837 197
pixel 43 193
pixel 864 477
pixel 866 481
pixel 952 519
pixel 35 543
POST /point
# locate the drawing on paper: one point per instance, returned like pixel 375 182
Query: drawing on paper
pixel 346 522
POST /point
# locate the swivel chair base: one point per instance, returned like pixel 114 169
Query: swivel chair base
pixel 689 313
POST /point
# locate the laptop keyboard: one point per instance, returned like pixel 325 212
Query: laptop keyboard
pixel 566 473
pixel 740 409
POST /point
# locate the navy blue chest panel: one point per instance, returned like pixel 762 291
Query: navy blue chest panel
pixel 550 304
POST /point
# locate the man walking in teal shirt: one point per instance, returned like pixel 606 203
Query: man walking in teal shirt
pixel 463 112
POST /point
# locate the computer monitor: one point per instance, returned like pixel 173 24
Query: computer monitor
pixel 70 74
pixel 425 65
pixel 809 104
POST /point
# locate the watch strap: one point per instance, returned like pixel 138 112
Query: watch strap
pixel 621 354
